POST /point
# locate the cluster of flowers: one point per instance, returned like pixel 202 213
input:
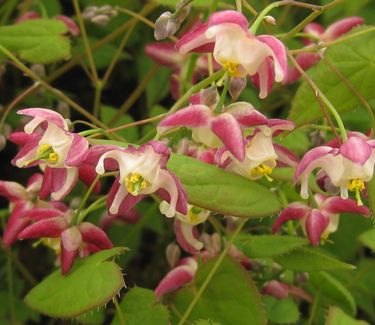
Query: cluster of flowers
pixel 237 138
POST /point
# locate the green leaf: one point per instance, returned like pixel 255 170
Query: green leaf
pixel 205 322
pixel 337 317
pixel 310 259
pixel 334 291
pixel 140 307
pixel 371 195
pixel 268 245
pixel 214 189
pixel 230 297
pixel 368 238
pixel 130 134
pixel 37 40
pixel 92 282
pixel 283 311
pixel 354 59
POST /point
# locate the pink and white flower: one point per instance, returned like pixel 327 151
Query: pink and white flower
pixel 334 31
pixel 214 130
pixel 348 167
pixel 238 51
pixel 46 141
pixel 319 222
pixel 84 238
pixel 141 171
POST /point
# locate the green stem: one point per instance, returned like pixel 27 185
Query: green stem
pixel 221 102
pixel 86 42
pixel 118 311
pixel 239 5
pixel 211 274
pixel 314 308
pixel 97 97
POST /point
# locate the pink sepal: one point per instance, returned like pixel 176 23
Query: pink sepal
pixel 30 147
pixel 87 174
pixel 276 289
pixel 13 191
pixel 178 277
pixel 182 240
pixel 45 191
pixel 94 235
pixel 316 223
pixel 52 227
pixel 96 151
pixel 338 205
pixel 21 138
pixel 165 54
pixel 44 114
pixel 77 152
pixel 16 223
pixel 36 214
pixel 341 27
pixel 69 23
pixel 29 15
pixel 132 216
pixel 285 157
pixel 356 149
pixel 71 240
pixel 306 61
pixel 294 211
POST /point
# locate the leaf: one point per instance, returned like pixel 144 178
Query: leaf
pixel 130 134
pixel 334 291
pixel 230 298
pixel 92 282
pixel 37 40
pixel 371 195
pixel 283 311
pixel 214 189
pixel 205 322
pixel 354 59
pixel 268 245
pixel 140 307
pixel 368 238
pixel 337 317
pixel 310 259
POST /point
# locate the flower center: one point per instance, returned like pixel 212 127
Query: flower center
pixel 134 183
pixel 357 185
pixel 262 170
pixel 45 152
pixel 232 68
pixel 194 216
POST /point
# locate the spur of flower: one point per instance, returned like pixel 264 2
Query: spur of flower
pixel 317 31
pixel 216 129
pixel 142 171
pixel 261 153
pixel 318 223
pixel 82 239
pixel 348 166
pixel 237 50
pixel 46 141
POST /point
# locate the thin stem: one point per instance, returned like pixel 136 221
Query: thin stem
pixel 135 94
pixel 314 308
pixel 239 5
pixel 86 42
pixel 221 102
pixel 97 97
pixel 294 31
pixel 211 274
pixel 249 8
pixel 118 311
pixel 141 122
pixel 318 93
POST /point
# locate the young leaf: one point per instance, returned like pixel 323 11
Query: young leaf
pixel 337 317
pixel 268 245
pixel 368 238
pixel 353 58
pixel 37 40
pixel 230 298
pixel 334 291
pixel 310 259
pixel 139 306
pixel 92 282
pixel 281 311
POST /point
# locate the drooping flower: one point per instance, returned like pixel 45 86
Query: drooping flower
pixel 333 31
pixel 281 290
pixel 261 154
pixel 185 229
pixel 141 171
pixel 82 239
pixel 215 129
pixel 318 223
pixel 46 141
pixel 238 51
pixel 348 167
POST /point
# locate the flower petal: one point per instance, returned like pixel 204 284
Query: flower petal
pixel 294 211
pixel 246 115
pixel 306 61
pixel 87 174
pixel 71 240
pixel 52 227
pixel 13 191
pixel 40 115
pixel 336 204
pixel 165 54
pixel 37 214
pixel 316 223
pixel 69 23
pixel 356 149
pixel 276 289
pixel 341 27
pixel 94 235
pixel 187 236
pixel 63 180
pixel 16 223
pixel 77 152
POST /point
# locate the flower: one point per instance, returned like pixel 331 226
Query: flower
pixel 214 130
pixel 348 167
pixel 261 153
pixel 142 171
pixel 238 51
pixel 281 290
pixel 47 142
pixel 187 235
pixel 84 238
pixel 334 31
pixel 319 222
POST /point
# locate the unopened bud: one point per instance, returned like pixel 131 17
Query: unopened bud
pixel 173 254
pixel 100 20
pixel 64 109
pixel 39 70
pixel 208 97
pixel 99 15
pixel 237 85
pixel 89 12
pixel 183 8
pixel 276 289
pixel 75 202
pixel 270 20
pixel 166 25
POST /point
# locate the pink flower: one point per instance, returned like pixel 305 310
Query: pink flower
pixel 84 238
pixel 281 290
pixel 348 167
pixel 335 30
pixel 141 171
pixel 214 130
pixel 261 154
pixel 319 222
pixel 237 50
pixel 47 142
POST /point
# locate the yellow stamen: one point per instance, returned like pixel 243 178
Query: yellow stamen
pixel 43 148
pixel 357 185
pixel 262 170
pixel 134 183
pixel 232 68
pixel 53 158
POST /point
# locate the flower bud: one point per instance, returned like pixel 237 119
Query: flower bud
pixel 237 85
pixel 270 20
pixel 183 8
pixel 173 254
pixel 39 70
pixel 64 109
pixel 100 20
pixel 166 25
